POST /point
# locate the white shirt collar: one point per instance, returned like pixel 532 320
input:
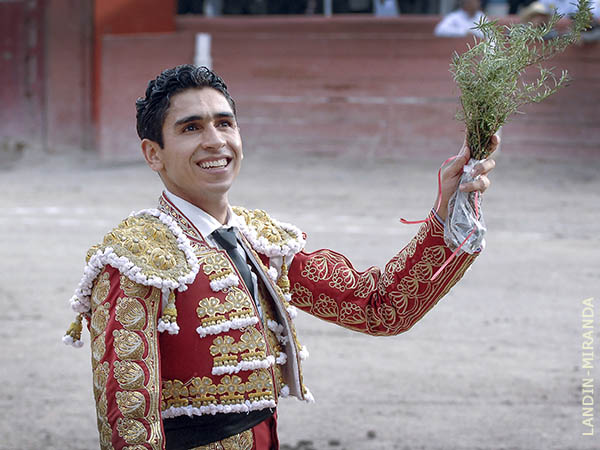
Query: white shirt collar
pixel 204 222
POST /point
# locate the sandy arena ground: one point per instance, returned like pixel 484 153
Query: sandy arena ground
pixel 496 365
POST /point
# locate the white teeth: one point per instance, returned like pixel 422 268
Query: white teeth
pixel 211 164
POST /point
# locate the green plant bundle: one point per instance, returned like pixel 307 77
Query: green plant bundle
pixel 490 73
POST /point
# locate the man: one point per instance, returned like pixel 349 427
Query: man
pixel 461 22
pixel 190 306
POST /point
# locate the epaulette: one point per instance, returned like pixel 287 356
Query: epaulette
pixel 269 236
pixel 150 249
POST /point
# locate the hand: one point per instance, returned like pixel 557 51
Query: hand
pixel 451 175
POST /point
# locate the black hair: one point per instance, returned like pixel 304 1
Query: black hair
pixel 152 109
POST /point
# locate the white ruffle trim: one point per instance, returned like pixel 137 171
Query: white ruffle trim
pixel 80 302
pixel 224 282
pixel 68 340
pixel 285 391
pixel 308 397
pixel 281 359
pixel 273 273
pixel 262 245
pixel 292 311
pixel 245 365
pixel 303 353
pixel 190 411
pixel 171 327
pixel 278 330
pixel 223 327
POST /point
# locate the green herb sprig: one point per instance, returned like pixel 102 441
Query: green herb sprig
pixel 489 74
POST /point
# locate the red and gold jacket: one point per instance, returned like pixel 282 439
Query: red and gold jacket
pixel 175 332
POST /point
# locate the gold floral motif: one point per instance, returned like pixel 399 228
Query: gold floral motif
pixel 99 347
pixel 100 377
pixel 131 403
pixel 242 441
pixel 132 431
pixel 105 433
pixel 421 271
pixel 130 313
pixel 352 314
pixel 229 387
pixel 203 391
pixel 325 306
pixel 238 303
pixel 133 289
pixel 265 227
pixel 260 385
pixel 435 255
pixel 210 311
pixel 102 406
pixel 215 264
pixel 128 374
pixel 128 344
pixel 252 341
pixel 175 393
pixel 134 447
pixel 150 245
pixel 223 345
pixel 303 298
pixel 100 289
pixel 100 318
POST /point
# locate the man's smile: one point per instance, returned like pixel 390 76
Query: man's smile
pixel 214 163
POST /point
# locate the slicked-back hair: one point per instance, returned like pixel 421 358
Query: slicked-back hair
pixel 152 109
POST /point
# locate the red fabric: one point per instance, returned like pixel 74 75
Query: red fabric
pixel 265 434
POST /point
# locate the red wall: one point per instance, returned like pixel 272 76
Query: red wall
pixel 352 85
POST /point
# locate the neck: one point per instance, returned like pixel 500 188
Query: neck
pixel 216 207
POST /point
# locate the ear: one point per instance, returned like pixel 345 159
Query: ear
pixel 153 154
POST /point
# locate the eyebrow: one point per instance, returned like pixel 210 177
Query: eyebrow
pixel 197 117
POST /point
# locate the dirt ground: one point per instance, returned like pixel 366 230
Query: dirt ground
pixel 495 365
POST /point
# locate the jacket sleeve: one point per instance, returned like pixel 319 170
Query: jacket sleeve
pixel 325 284
pixel 125 362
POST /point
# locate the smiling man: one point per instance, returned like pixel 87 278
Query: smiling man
pixel 190 306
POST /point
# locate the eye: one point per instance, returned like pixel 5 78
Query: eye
pixel 225 123
pixel 189 127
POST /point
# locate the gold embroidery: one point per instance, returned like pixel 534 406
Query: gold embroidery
pixel 326 306
pixel 303 298
pixel 100 289
pixel 261 382
pixel 129 374
pixel 238 303
pixel 134 447
pixel 98 348
pixel 215 265
pixel 150 245
pixel 228 389
pixel 131 403
pixel 242 441
pixel 100 318
pixel 176 391
pixel 105 433
pixel 203 390
pixel 130 313
pixel 352 314
pixel 102 406
pixel 210 311
pixel 100 377
pixel 128 344
pixel 133 289
pixel 132 431
pixel 265 227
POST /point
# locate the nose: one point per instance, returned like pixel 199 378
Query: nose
pixel 212 139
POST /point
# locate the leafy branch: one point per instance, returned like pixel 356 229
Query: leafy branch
pixel 489 74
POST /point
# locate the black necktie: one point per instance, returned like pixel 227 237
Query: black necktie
pixel 227 240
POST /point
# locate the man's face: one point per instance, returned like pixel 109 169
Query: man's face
pixel 202 150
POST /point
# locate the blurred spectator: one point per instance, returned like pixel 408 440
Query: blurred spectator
pixel 385 8
pixel 461 22
pixel 538 14
pixel 568 7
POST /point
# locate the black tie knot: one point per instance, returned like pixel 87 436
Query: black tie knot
pixel 226 238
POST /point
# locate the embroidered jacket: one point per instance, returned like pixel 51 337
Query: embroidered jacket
pixel 174 330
